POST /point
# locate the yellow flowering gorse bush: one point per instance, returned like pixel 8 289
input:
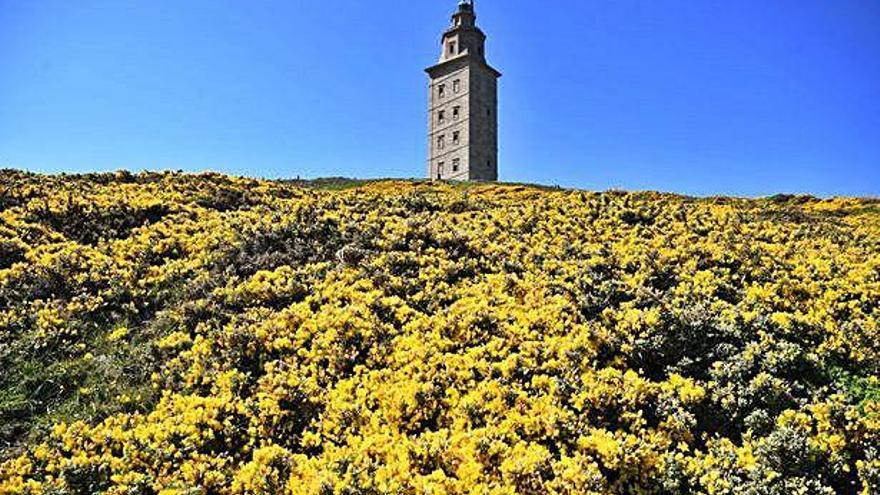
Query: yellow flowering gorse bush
pixel 203 334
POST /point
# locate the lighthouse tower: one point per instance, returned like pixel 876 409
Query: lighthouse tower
pixel 463 104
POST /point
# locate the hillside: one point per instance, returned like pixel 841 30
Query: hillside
pixel 204 334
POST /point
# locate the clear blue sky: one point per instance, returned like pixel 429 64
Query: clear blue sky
pixel 749 97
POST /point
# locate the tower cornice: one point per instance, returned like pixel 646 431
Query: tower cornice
pixel 457 29
pixel 462 60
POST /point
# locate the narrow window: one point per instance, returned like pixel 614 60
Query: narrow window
pixel 451 48
pixel 440 169
pixel 455 164
pixel 441 116
pixel 455 137
pixel 456 86
pixel 441 90
pixel 456 111
pixel 441 142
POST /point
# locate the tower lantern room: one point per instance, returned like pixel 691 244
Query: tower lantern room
pixel 465 16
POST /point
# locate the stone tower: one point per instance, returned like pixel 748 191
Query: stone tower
pixel 463 104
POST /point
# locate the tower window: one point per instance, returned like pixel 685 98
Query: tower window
pixel 441 142
pixel 441 90
pixel 452 48
pixel 455 164
pixel 441 116
pixel 455 137
pixel 456 111
pixel 456 86
pixel 440 170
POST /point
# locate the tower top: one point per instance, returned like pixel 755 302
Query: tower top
pixel 463 41
pixel 465 16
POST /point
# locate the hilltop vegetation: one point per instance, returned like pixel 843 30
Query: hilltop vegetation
pixel 203 334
